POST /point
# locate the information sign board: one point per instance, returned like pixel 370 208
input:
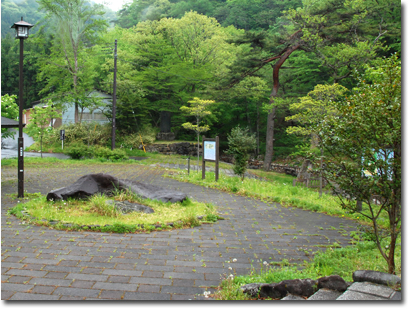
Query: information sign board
pixel 210 150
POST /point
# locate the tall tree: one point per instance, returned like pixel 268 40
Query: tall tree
pixel 163 64
pixel 363 151
pixel 315 27
pixel 69 68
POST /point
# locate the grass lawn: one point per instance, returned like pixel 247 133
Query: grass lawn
pixel 80 214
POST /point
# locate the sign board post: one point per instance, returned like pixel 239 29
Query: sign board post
pixel 210 153
pixel 62 138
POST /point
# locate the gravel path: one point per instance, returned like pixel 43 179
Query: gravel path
pixel 43 264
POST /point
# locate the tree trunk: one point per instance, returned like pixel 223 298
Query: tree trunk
pixel 269 139
pixel 258 130
pixel 270 118
pixel 198 151
pixel 41 145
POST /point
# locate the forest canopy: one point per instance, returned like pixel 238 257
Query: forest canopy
pixel 254 58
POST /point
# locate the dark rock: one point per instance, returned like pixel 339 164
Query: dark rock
pixel 153 192
pixel 127 207
pixel 251 289
pixel 333 282
pixel 85 187
pixel 91 184
pixel 300 287
pixel 375 277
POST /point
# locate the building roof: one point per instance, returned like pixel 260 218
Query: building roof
pixel 9 123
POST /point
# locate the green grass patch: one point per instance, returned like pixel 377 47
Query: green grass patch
pixel 340 261
pixel 280 190
pixel 96 212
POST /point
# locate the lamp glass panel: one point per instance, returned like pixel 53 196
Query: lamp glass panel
pixel 22 31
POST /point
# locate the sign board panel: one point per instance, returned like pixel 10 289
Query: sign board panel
pixel 210 150
pixel 385 155
pixel 62 135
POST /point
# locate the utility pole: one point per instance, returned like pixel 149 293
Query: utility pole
pixel 114 98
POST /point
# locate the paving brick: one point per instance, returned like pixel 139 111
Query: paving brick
pixel 56 275
pixel 154 267
pixel 183 275
pixel 183 282
pixel 119 279
pixel 146 296
pixel 155 281
pixel 69 263
pixel 54 282
pixel 11 265
pixel 116 286
pixel 96 264
pixel 182 290
pixel 87 277
pixel 5 295
pixel 207 283
pixel 38 289
pixel 18 279
pixel 16 287
pixel 78 292
pixel 41 261
pixel 113 295
pixel 119 272
pixel 58 268
pixel 146 288
pixel 152 274
pixel 83 284
pixel 31 296
pixel 71 298
pixel 26 273
pixel 92 270
pixel 125 266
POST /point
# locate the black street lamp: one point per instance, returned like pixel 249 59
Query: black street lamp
pixel 22 28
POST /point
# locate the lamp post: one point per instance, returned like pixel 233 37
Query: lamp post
pixel 22 28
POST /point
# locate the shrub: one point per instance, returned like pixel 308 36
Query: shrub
pixel 90 133
pixel 78 150
pixel 118 155
pixel 101 152
pixel 133 141
pixel 106 153
pixel 240 142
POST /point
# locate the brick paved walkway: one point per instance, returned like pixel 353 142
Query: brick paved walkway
pixel 43 264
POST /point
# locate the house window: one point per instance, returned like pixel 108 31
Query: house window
pixel 86 116
pixel 99 116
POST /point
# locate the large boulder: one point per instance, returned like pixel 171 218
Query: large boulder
pixel 300 287
pixel 375 277
pixel 91 184
pixel 333 282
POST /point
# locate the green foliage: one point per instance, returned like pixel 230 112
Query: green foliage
pixel 9 109
pixel 70 69
pixel 312 108
pixel 334 261
pixel 77 151
pixel 199 109
pixel 240 143
pixel 41 122
pixel 89 133
pixel 363 144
